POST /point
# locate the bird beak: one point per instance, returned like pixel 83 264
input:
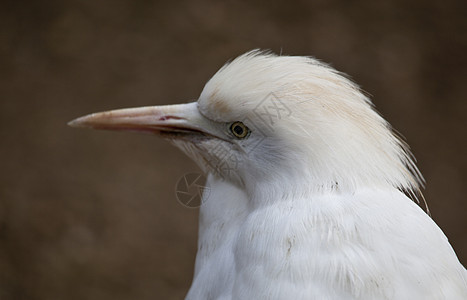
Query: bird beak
pixel 167 120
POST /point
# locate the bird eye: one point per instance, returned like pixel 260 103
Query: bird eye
pixel 239 130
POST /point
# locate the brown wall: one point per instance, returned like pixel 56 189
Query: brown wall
pixel 93 215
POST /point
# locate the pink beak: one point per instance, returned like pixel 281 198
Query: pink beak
pixel 180 119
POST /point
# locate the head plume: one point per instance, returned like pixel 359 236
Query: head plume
pixel 332 135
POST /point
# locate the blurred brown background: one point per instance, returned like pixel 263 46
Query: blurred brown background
pixel 93 215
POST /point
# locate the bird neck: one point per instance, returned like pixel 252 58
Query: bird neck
pixel 287 185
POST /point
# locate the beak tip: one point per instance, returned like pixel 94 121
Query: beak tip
pixel 72 123
pixel 77 123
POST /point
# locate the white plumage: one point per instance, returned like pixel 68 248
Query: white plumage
pixel 306 182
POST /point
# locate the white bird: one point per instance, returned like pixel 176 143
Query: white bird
pixel 306 188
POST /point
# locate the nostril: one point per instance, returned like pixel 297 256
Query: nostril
pixel 165 118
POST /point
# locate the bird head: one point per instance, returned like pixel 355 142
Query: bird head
pixel 268 120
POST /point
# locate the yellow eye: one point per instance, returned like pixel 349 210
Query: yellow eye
pixel 239 130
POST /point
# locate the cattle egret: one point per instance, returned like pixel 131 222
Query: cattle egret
pixel 307 187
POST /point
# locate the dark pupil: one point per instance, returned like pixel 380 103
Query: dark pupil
pixel 238 130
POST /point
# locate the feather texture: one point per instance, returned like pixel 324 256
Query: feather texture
pixel 319 212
